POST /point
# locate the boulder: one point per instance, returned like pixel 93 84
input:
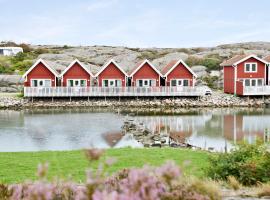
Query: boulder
pixel 200 70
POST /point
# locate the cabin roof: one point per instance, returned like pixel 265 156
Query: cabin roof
pixel 240 58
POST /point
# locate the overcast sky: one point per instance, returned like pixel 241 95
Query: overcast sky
pixel 135 23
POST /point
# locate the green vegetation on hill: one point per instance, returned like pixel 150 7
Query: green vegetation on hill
pixel 17 167
pixel 22 61
pixel 212 62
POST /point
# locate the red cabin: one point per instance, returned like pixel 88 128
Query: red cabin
pixel 178 74
pixel 76 75
pixel 245 75
pixel 111 75
pixel 40 75
pixel 145 75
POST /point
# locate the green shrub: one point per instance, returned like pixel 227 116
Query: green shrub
pixel 248 163
pixel 211 81
pixel 212 62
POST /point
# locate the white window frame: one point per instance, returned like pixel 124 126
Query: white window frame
pixel 250 65
pixel 108 79
pixel 148 82
pixel 177 81
pixel 43 80
pixel 76 80
pixel 250 82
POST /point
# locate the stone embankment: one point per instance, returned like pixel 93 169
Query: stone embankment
pixel 216 100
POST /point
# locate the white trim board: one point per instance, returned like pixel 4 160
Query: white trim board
pixel 176 64
pixel 142 64
pixel 107 64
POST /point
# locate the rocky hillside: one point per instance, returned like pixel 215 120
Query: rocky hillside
pixel 203 60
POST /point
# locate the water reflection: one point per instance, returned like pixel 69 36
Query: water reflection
pixel 75 129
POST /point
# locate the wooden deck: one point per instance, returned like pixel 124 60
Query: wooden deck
pixel 113 91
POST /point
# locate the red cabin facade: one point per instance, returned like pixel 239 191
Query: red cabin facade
pixel 76 75
pixel 145 75
pixel 244 73
pixel 111 75
pixel 178 73
pixel 40 75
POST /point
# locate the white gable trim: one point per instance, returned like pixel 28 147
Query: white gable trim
pixel 250 56
pixel 44 63
pixel 107 64
pixel 143 63
pixel 186 66
pixel 73 63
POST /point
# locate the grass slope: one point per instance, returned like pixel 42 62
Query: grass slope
pixel 20 166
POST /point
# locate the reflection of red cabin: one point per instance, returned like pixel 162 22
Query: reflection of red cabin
pixel 40 75
pixel 111 75
pixel 234 130
pixel 145 75
pixel 76 75
pixel 244 71
pixel 178 73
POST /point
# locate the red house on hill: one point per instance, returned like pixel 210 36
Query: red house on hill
pixel 178 73
pixel 145 75
pixel 245 75
pixel 40 75
pixel 76 75
pixel 111 75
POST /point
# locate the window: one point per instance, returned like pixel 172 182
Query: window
pixel 260 82
pixel 253 82
pixel 41 83
pixel 185 83
pixel 173 83
pixel 250 67
pixel 179 82
pixel 247 82
pixel 76 83
pixel 140 83
pixel 146 83
pixel 111 83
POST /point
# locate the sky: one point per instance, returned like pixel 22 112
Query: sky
pixel 135 23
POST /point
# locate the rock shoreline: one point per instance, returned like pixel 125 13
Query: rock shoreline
pixel 216 100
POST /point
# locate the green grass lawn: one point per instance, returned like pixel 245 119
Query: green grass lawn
pixel 17 167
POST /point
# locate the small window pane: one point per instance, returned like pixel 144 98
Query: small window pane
pixel 247 67
pixel 34 83
pixel 47 83
pixel 105 83
pixel 253 82
pixel 145 82
pixel 247 82
pixel 179 82
pixel 140 83
pixel 185 82
pixel 254 67
pixel 173 82
pixel 77 83
pixel 41 83
pixel 83 83
pixel 260 82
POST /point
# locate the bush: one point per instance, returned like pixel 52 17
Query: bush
pixel 211 81
pixel 248 163
pixel 212 62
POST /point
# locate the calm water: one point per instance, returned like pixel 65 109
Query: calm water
pixel 75 129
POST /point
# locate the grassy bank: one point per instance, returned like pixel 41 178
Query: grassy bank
pixel 17 167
